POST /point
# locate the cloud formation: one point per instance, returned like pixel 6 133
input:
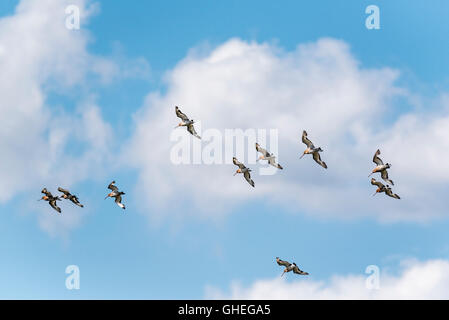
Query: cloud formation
pixel 417 280
pixel 348 110
pixel 45 143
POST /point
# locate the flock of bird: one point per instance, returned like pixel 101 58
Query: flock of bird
pixel 311 149
pixel 51 199
pixel 242 169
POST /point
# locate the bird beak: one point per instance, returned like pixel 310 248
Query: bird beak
pixel 282 273
pixel 374 193
pixel 302 156
pixel 370 174
pixel 235 173
pixel 106 197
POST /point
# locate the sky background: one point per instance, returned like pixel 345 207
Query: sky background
pixel 84 107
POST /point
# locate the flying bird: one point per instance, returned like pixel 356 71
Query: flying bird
pixel 67 195
pixel 381 167
pixel 186 122
pixel 311 149
pixel 115 193
pixel 290 267
pixel 382 188
pixel 390 193
pixel 242 169
pixel 51 199
pixel 267 156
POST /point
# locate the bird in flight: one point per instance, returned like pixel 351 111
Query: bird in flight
pixel 267 156
pixel 382 188
pixel 186 122
pixel 67 195
pixel 51 199
pixel 311 149
pixel 290 267
pixel 242 169
pixel 115 193
pixel 381 167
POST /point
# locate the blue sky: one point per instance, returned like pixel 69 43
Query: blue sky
pixel 131 255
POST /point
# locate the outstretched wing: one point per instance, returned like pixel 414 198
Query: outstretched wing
pixel 262 150
pixel 306 140
pixel 283 262
pixel 247 176
pixel 376 158
pixel 299 271
pixel 238 163
pixel 192 131
pixel 384 175
pixel 181 115
pixel 390 193
pixel 66 192
pixel 46 192
pixel 112 186
pixel 317 158
pixel 118 198
pixel 379 184
pixel 54 205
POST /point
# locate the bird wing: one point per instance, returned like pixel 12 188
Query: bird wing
pixel 306 140
pixel 54 205
pixel 384 175
pixel 238 163
pixel 376 158
pixel 262 150
pixel 317 158
pixel 283 263
pixel 247 176
pixel 374 182
pixel 66 192
pixel 181 115
pixel 112 186
pixel 299 271
pixel 118 198
pixel 192 131
pixel 390 193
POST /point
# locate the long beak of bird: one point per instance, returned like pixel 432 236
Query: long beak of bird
pixel 106 197
pixel 302 156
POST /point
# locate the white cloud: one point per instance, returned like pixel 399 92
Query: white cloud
pixel 348 110
pixel 417 280
pixel 44 144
